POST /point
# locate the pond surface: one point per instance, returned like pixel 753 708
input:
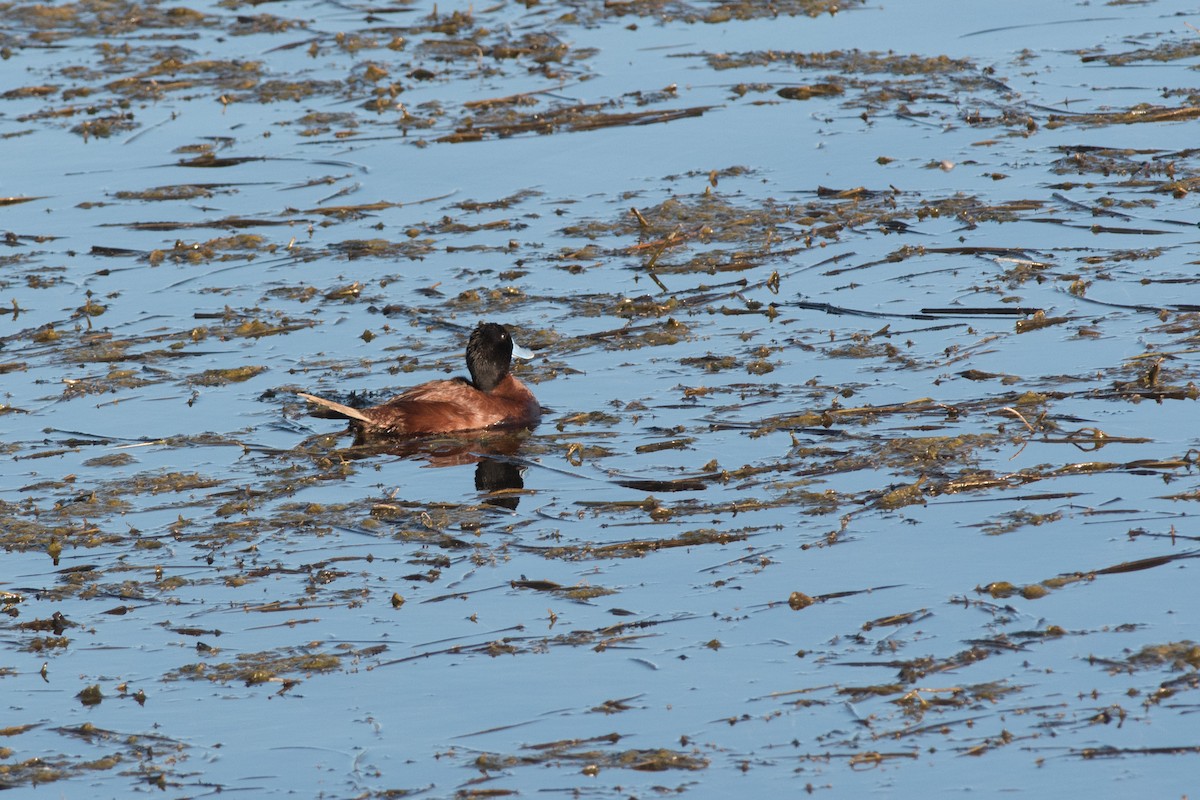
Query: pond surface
pixel 868 355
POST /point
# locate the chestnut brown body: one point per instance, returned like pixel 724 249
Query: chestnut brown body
pixel 493 398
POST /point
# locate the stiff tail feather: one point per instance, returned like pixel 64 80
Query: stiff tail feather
pixel 345 411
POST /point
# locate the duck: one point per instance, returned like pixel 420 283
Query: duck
pixel 492 398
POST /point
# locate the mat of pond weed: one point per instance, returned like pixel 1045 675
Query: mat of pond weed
pixel 867 338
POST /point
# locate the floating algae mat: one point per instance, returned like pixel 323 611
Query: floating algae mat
pixel 869 354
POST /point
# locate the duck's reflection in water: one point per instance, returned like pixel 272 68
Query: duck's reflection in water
pixel 496 471
pixel 498 479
